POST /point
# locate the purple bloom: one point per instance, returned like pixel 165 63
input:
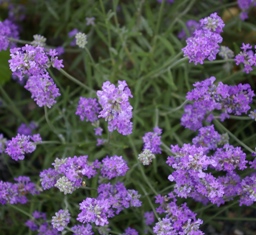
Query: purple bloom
pixel 43 89
pixel 39 224
pixel 98 131
pixel 207 97
pixel 116 108
pixel 245 5
pixel 149 217
pixel 68 173
pixel 7 30
pixel 72 34
pixel 130 231
pixel 82 229
pixel 14 193
pixel 152 141
pixel 169 1
pixel 248 193
pixel 113 167
pixel 19 146
pixel 88 108
pixel 33 61
pixel 26 129
pixel 48 178
pixel 178 220
pixel 118 197
pixel 204 44
pixel 94 211
pixel 246 57
pixel 60 220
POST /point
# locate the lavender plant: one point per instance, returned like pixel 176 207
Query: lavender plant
pixel 127 117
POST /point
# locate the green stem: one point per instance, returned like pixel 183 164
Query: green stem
pixel 233 136
pixel 12 107
pixel 75 80
pixel 20 210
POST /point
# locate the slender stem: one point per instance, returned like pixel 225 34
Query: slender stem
pixel 12 106
pixel 20 210
pixel 175 109
pixel 75 80
pixel 233 136
pixel 218 61
pixel 235 117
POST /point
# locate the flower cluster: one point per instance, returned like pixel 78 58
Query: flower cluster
pixel 32 62
pixel 72 35
pixel 111 200
pixel 18 146
pixel 88 108
pixel 81 39
pixel 38 223
pixel 14 193
pixel 178 219
pixel 130 231
pixel 68 173
pixel 245 5
pixel 152 141
pixel 26 129
pixel 193 165
pixel 246 57
pixel 7 30
pixel 204 44
pixel 116 108
pixel 60 220
pixel 146 157
pixel 207 97
pixel 82 229
pixel 113 167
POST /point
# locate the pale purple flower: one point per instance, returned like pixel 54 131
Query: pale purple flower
pixel 246 57
pixel 82 229
pixel 72 34
pixel 94 211
pixel 26 129
pixel 204 44
pixel 130 231
pixel 113 167
pixel 149 217
pixel 152 141
pixel 116 108
pixel 20 145
pixel 191 26
pixel 7 30
pixel 90 20
pixel 88 108
pixel 60 220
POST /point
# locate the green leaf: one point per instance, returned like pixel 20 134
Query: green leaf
pixel 5 72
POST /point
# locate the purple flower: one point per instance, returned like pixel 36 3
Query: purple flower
pixel 116 108
pixel 246 57
pixel 204 44
pixel 60 220
pixel 7 30
pixel 14 193
pixel 207 97
pixel 72 34
pixel 48 178
pixel 178 220
pixel 152 141
pixel 245 5
pixel 82 229
pixel 130 231
pixel 19 146
pixel 94 211
pixel 113 167
pixel 88 108
pixel 149 217
pixel 118 197
pixel 26 129
pixel 43 89
pixel 33 61
pixel 248 192
pixel 169 1
pixel 38 223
